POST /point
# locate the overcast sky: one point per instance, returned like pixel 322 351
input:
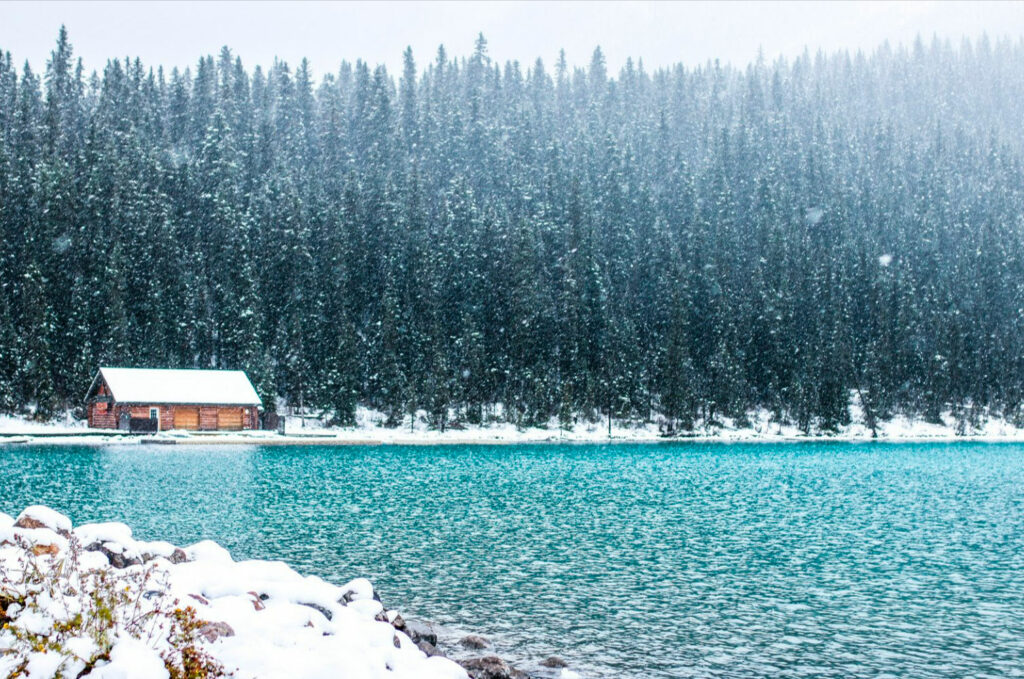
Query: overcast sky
pixel 661 33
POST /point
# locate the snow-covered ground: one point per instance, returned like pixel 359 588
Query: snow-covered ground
pixel 92 601
pixel 760 426
pixel 24 425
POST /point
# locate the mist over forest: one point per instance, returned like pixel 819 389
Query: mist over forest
pixel 690 243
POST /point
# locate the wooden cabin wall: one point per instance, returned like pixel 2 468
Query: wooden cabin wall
pixel 103 415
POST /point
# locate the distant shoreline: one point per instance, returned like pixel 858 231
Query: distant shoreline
pixel 358 437
pixel 757 427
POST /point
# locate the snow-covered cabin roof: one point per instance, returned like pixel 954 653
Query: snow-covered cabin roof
pixel 192 387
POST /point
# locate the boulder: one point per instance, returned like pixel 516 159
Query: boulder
pixel 29 523
pixel 430 649
pixel 357 589
pixel 212 631
pixel 491 667
pixel 317 607
pixel 38 516
pixel 474 641
pixel 553 661
pixel 116 559
pixel 370 608
pixel 421 631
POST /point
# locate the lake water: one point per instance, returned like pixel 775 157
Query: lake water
pixel 802 560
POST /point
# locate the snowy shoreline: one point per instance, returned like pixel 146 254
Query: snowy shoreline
pixel 178 439
pixel 369 431
pixel 92 601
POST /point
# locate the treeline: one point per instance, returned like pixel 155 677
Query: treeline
pixel 693 242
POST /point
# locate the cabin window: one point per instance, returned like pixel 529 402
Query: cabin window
pixel 153 413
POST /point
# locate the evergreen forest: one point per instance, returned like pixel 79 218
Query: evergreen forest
pixel 686 244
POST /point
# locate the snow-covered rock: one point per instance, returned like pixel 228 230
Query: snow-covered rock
pixel 38 538
pixel 254 618
pixel 104 532
pixel 38 516
pixel 355 590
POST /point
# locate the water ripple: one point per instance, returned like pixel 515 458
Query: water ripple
pixel 810 560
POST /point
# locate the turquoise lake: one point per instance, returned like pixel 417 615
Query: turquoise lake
pixel 672 560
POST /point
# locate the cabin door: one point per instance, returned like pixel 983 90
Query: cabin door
pixel 186 418
pixel 229 418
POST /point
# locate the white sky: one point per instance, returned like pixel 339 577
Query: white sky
pixel 662 33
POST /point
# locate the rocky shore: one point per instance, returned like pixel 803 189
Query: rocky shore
pixel 475 654
pixel 91 601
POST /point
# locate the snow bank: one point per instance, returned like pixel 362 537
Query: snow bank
pixel 758 425
pixel 248 618
pixel 65 423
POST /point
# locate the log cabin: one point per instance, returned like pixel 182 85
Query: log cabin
pixel 143 399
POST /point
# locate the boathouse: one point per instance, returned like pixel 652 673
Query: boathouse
pixel 143 399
